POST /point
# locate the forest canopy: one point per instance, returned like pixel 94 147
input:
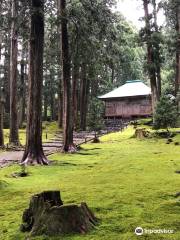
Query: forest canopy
pixel 86 50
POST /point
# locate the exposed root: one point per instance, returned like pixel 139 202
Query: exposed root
pixel 71 149
pixel 33 159
pixel 96 140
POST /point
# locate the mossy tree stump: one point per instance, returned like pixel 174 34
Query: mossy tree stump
pixel 47 215
pixel 141 133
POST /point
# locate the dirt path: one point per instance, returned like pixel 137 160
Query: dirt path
pixel 53 145
pixel 8 158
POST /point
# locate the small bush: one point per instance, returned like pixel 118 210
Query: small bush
pixel 166 114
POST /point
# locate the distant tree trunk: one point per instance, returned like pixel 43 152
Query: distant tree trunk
pixel 14 137
pixel 34 150
pixel 22 92
pixel 67 106
pixel 60 94
pixel 75 76
pixel 157 52
pixel 7 76
pixel 6 85
pixel 84 88
pixel 150 60
pixel 52 97
pixel 45 101
pixel 177 81
pixel 2 101
pixel 60 107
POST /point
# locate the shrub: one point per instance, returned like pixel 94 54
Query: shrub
pixel 166 113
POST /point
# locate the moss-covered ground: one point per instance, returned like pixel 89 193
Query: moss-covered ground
pixel 127 182
pixel 49 130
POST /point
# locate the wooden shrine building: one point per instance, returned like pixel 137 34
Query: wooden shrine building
pixel 129 101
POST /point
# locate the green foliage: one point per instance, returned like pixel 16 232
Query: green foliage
pixel 166 113
pixel 95 115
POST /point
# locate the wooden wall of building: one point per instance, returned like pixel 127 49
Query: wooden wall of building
pixel 128 107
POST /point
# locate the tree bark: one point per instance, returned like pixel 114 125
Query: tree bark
pixel 1 96
pixel 84 90
pixel 60 93
pixel 7 77
pixel 33 150
pixel 60 107
pixel 45 114
pixel 52 96
pixel 67 98
pixel 75 77
pixel 22 92
pixel 157 52
pixel 14 137
pixel 2 101
pixel 150 60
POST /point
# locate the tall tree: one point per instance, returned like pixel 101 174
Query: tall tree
pixel 22 101
pixel 75 77
pixel 34 150
pixel 60 95
pixel 14 137
pixel 157 58
pixel 150 55
pixel 2 101
pixel 84 89
pixel 66 76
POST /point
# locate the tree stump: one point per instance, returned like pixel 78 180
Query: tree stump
pixel 47 215
pixel 141 133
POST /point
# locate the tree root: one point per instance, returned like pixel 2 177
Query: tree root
pixel 71 149
pixel 33 159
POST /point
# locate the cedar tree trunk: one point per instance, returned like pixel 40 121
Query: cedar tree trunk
pixel 14 137
pixel 150 60
pixel 84 88
pixel 67 107
pixel 2 101
pixel 60 94
pixel 158 61
pixel 34 151
pixel 7 77
pixel 75 76
pixel 22 93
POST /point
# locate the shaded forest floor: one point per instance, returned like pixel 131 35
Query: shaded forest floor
pixel 127 182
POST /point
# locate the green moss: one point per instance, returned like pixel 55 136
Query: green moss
pixel 49 131
pixel 3 184
pixel 127 183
